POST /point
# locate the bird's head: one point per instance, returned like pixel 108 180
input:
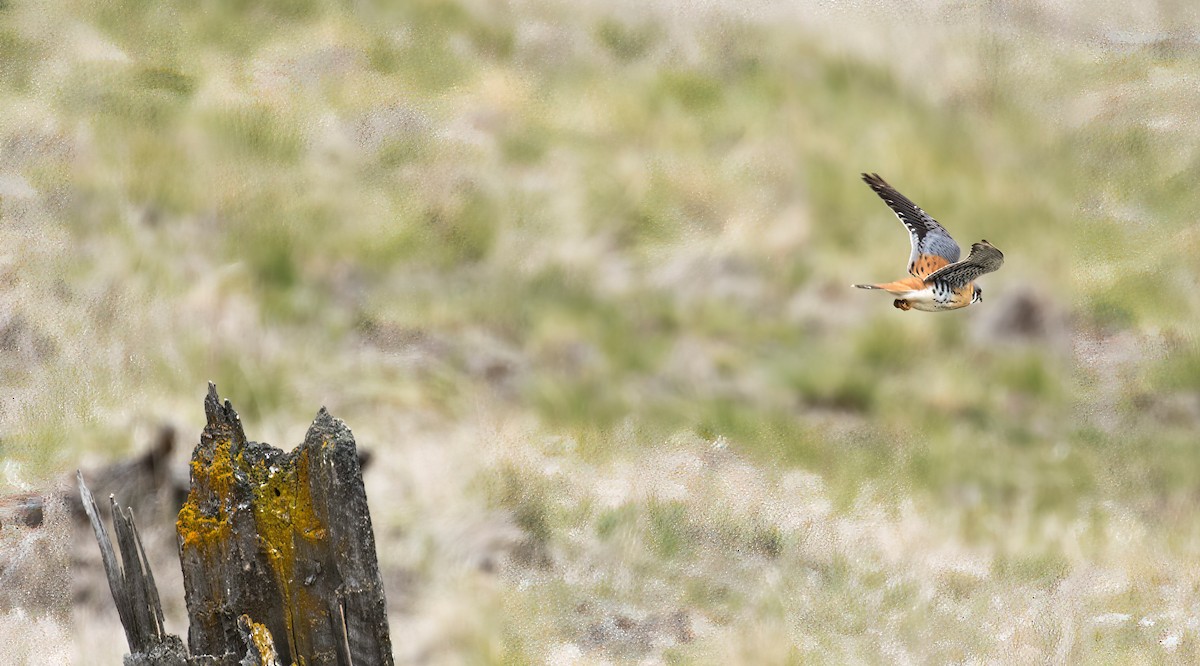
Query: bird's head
pixel 977 297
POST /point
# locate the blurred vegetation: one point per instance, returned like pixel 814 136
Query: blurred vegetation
pixel 634 228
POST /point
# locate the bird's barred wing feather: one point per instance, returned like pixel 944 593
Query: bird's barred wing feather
pixel 932 246
pixel 983 259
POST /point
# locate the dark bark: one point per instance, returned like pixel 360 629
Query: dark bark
pixel 285 538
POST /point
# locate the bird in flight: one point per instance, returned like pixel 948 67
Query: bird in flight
pixel 939 280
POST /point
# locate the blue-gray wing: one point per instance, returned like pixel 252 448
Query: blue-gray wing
pixel 984 258
pixel 932 246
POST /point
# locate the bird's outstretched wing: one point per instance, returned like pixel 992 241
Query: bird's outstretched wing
pixel 984 258
pixel 932 246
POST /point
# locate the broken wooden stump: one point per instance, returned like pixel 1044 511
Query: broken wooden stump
pixel 277 552
pixel 285 538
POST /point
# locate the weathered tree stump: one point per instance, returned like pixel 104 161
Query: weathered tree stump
pixel 277 551
pixel 285 538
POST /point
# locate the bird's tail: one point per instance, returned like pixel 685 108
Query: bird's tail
pixel 867 286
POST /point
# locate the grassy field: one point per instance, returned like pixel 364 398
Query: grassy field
pixel 578 274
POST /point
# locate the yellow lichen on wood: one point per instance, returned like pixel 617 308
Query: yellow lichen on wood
pixel 215 475
pixel 283 512
pixel 260 640
pixel 282 505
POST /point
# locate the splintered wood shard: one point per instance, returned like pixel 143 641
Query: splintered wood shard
pixel 284 538
pixel 132 585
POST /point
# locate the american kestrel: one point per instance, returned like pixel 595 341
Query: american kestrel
pixel 939 280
